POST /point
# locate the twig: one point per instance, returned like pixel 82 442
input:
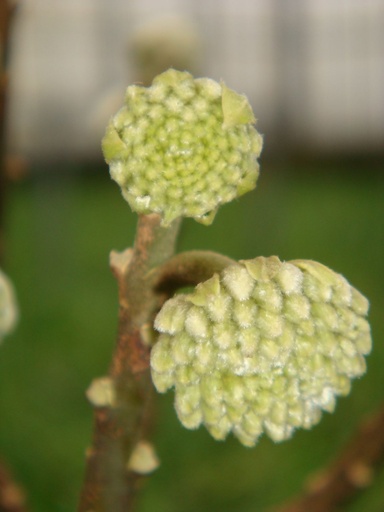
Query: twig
pixel 123 410
pixel 352 471
pixel 189 268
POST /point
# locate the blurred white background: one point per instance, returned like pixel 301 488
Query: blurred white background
pixel 313 69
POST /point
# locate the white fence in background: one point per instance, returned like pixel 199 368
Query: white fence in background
pixel 313 69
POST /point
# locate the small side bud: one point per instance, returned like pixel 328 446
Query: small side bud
pixel 119 261
pixel 101 392
pixel 8 306
pixel 143 459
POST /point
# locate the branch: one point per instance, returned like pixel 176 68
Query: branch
pixel 123 400
pixel 189 268
pixel 352 471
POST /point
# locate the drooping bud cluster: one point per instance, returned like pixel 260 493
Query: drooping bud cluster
pixel 263 347
pixel 8 308
pixel 182 147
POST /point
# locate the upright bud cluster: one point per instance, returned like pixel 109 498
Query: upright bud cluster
pixel 263 347
pixel 182 147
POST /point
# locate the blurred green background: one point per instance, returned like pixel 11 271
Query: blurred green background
pixel 60 227
pixel 313 72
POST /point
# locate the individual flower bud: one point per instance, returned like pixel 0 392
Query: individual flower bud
pixel 8 306
pixel 182 147
pixel 264 346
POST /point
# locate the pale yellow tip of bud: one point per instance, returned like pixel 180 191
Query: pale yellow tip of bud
pixel 143 459
pixel 101 392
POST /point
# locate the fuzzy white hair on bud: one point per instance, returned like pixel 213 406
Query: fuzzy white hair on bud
pixel 238 281
pixel 196 323
pixel 171 318
pixel 289 278
pixel 264 346
pixel 167 126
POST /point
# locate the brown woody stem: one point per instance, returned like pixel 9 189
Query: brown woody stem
pixel 189 268
pixel 352 471
pixel 110 485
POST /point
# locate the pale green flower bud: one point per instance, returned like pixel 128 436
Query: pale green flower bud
pixel 263 347
pixel 8 307
pixel 182 147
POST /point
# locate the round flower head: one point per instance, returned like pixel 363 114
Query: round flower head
pixel 263 347
pixel 182 147
pixel 8 308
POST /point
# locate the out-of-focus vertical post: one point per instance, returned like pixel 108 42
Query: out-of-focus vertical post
pixel 7 9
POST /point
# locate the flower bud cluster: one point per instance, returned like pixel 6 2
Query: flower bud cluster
pixel 182 147
pixel 8 308
pixel 263 347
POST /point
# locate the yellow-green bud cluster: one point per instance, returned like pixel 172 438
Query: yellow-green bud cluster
pixel 182 147
pixel 8 308
pixel 263 347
